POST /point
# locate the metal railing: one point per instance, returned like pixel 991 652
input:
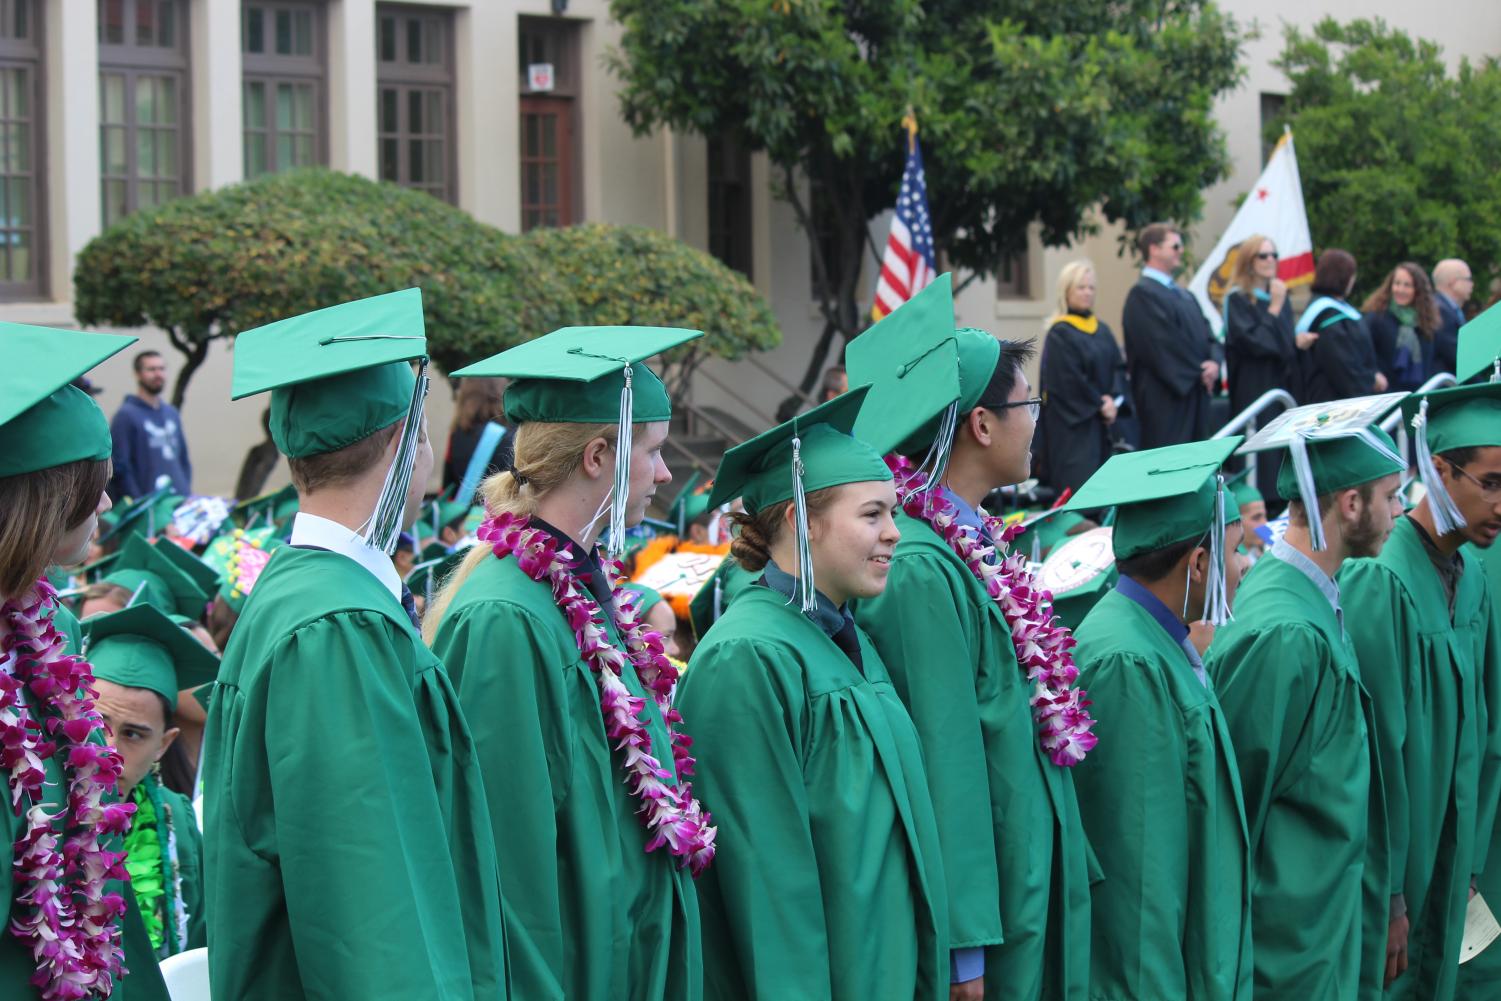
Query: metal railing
pixel 765 419
pixel 1272 397
pixel 777 378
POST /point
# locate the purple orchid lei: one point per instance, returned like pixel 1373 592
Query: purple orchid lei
pixel 672 815
pixel 63 913
pixel 1044 649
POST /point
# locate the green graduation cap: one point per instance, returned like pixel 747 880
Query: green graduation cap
pixel 268 509
pixel 1448 419
pixel 910 360
pixel 147 516
pixel 205 576
pixel 589 375
pixel 1329 446
pixel 140 647
pixel 1164 496
pixel 337 376
pixel 1480 346
pixel 811 452
pixel 729 579
pixel 45 421
pixel 139 562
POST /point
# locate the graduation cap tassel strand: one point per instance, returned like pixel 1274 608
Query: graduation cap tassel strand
pixel 622 488
pixel 936 462
pixel 805 585
pixel 1307 493
pixel 385 524
pixel 1446 516
pixel 1218 610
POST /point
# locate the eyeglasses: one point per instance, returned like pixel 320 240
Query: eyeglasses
pixel 1490 487
pixel 1034 406
pixel 1270 255
pixel 1175 246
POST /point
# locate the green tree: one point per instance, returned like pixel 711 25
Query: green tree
pixel 208 266
pixel 1397 153
pixel 630 275
pixel 1032 112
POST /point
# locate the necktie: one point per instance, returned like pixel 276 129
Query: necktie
pixel 410 604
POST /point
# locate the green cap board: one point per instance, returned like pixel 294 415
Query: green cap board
pixel 140 561
pixel 205 576
pixel 336 375
pixel 760 470
pixel 1479 350
pixel 575 375
pixel 45 421
pixel 141 647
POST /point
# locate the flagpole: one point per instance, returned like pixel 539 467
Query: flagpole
pixel 909 122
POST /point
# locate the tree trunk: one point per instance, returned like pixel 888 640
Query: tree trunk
pixel 195 352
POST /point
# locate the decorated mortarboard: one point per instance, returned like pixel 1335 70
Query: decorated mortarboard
pixel 811 452
pixel 185 595
pixel 589 375
pixel 337 376
pixel 1078 573
pixel 1445 420
pixel 1329 446
pixel 141 647
pixel 249 552
pixel 46 421
pixel 206 577
pixel 1479 348
pixel 1043 530
pixel 199 518
pixel 1164 496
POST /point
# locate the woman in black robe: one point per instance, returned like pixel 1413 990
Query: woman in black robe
pixel 1083 383
pixel 1342 362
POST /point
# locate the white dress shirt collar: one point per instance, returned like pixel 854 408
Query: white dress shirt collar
pixel 311 530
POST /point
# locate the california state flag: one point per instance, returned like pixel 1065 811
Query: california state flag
pixel 1274 208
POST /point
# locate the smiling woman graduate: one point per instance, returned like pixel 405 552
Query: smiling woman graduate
pixel 67 931
pixel 830 884
pixel 569 695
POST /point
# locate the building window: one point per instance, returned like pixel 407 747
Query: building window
pixel 822 241
pixel 414 50
pixel 282 45
pixel 1273 115
pixel 549 122
pixel 22 207
pixel 730 202
pixel 1013 279
pixel 143 102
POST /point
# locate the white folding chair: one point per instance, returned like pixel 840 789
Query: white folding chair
pixel 186 975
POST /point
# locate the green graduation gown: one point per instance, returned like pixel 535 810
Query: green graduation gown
pixel 1289 685
pixel 347 840
pixel 828 882
pixel 144 981
pixel 1480 978
pixel 1162 806
pixel 1431 680
pixel 1008 822
pixel 593 916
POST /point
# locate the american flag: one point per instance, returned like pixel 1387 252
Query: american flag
pixel 908 264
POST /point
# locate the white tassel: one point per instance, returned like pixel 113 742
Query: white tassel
pixel 1217 603
pixel 805 585
pixel 936 462
pixel 384 526
pixel 1307 492
pixel 1446 516
pixel 615 545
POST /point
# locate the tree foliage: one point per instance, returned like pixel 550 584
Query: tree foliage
pixel 1398 154
pixel 1031 112
pixel 208 266
pixel 633 276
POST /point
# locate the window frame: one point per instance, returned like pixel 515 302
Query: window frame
pixel 30 55
pixel 269 69
pixel 734 243
pixel 134 62
pixel 407 78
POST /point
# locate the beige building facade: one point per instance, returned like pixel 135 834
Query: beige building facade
pixel 502 107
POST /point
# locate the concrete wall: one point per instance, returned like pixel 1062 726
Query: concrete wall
pixel 657 180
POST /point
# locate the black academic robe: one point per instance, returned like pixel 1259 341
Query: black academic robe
pixel 1341 363
pixel 1077 369
pixel 1167 339
pixel 1446 337
pixel 1402 371
pixel 1259 349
